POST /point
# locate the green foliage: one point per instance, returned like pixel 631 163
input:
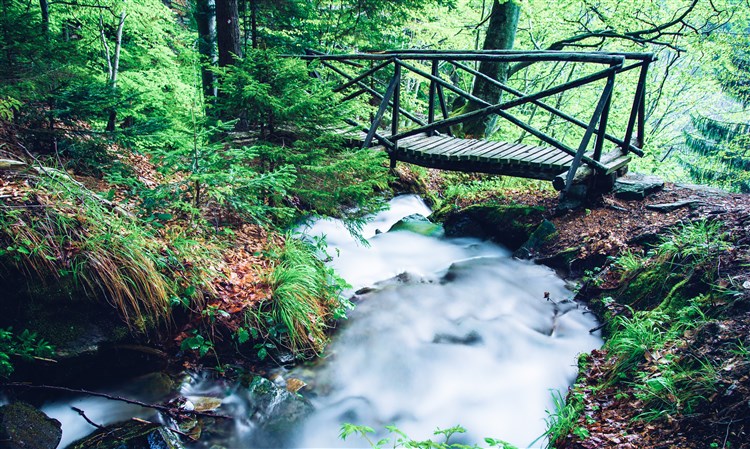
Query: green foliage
pixel 297 119
pixel 564 419
pixel 277 95
pixel 399 439
pixel 306 297
pixel 677 386
pixel 25 345
pixel 197 342
pixel 717 144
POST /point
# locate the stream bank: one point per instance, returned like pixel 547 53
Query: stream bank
pixel 665 267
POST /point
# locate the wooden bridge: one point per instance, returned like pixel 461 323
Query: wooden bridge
pixel 412 85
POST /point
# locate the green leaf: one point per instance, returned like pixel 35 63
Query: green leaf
pixel 242 335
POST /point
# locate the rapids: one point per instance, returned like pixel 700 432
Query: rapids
pixel 445 332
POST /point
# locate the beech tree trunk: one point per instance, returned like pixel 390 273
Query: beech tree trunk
pixel 113 64
pixel 501 32
pixel 228 32
pixel 205 17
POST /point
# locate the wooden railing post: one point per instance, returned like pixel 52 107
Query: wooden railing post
pixel 381 109
pixel 602 129
pixel 431 101
pixel 603 100
pixel 396 107
pixel 638 110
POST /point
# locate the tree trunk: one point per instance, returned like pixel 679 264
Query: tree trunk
pixel 228 32
pixel 114 65
pixel 205 17
pixel 44 7
pixel 501 32
pixel 254 22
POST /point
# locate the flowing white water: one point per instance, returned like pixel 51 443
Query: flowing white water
pixel 467 337
pixel 464 337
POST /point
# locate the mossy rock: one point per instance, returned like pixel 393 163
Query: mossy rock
pixel 130 435
pixel 24 427
pixel 545 232
pixel 418 224
pixel 510 225
pixel 657 285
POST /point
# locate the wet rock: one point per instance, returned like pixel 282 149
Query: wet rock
pixel 418 224
pixel 276 410
pixel 470 339
pixel 560 261
pixel 130 435
pixel 24 427
pixel 204 403
pixel 541 235
pixel 635 186
pixel 507 224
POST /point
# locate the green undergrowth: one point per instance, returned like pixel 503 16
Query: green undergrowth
pixel 25 345
pixel 668 295
pixel 306 299
pixel 398 439
pixel 460 188
pixel 62 233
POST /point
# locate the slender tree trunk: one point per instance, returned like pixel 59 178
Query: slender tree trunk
pixel 205 16
pixel 254 22
pixel 228 32
pixel 44 7
pixel 113 64
pixel 501 32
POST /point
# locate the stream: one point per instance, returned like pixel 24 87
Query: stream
pixel 445 332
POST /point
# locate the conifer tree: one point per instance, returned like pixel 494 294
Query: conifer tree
pixel 717 147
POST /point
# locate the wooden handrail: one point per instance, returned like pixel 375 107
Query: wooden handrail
pixel 406 60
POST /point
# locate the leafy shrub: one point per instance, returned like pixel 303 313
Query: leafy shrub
pixel 25 345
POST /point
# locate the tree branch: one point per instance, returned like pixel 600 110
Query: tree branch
pixel 641 37
pixel 161 408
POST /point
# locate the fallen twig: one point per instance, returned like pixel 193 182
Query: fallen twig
pixel 161 408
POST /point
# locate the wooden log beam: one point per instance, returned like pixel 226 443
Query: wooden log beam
pixel 612 162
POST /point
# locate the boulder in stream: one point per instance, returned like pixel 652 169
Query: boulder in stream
pixel 134 434
pixel 24 427
pixel 419 224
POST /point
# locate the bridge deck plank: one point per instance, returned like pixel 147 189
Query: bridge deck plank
pixel 509 158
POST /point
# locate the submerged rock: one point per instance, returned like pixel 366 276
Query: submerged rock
pixel 130 435
pixel 24 427
pixel 276 410
pixel 418 224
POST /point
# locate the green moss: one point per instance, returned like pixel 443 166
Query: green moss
pixel 508 224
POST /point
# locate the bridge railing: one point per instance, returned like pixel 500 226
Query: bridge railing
pixel 357 79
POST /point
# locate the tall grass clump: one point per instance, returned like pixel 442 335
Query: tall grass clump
pixel 306 296
pixel 63 232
